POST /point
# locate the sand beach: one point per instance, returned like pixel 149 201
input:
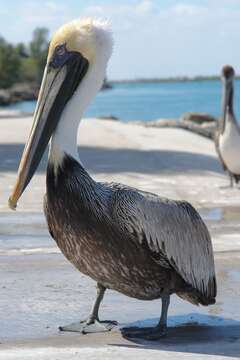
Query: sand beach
pixel 40 290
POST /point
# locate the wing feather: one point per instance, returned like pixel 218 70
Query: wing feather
pixel 172 229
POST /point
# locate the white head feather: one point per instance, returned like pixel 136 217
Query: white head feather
pixel 90 36
pixel 93 39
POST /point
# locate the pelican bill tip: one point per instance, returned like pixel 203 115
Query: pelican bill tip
pixel 12 204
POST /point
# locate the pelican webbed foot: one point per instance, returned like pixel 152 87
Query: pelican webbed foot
pixel 150 333
pixel 145 333
pixel 92 324
pixel 89 326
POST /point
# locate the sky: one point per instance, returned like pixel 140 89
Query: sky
pixel 153 38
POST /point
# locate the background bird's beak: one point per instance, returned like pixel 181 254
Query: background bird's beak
pixel 58 86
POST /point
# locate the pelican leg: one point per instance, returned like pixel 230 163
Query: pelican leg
pixel 151 333
pixel 92 324
pixel 231 180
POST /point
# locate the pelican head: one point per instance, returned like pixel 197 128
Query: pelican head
pixel 227 77
pixel 77 50
pixel 228 73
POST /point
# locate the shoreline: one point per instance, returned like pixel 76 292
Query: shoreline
pixel 175 79
pixel 201 124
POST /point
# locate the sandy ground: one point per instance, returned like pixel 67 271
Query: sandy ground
pixel 40 290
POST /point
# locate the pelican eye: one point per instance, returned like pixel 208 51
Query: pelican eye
pixel 60 50
pixel 60 56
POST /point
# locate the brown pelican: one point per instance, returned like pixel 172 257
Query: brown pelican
pixel 131 241
pixel 227 137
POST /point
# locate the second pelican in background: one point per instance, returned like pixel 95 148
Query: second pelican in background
pixel 227 139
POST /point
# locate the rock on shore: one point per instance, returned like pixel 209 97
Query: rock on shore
pixel 199 123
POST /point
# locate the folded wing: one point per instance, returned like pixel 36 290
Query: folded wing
pixel 171 229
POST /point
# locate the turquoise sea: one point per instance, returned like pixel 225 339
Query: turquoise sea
pixel 149 101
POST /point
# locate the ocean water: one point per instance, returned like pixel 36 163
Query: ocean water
pixel 149 101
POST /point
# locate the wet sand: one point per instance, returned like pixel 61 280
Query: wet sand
pixel 40 290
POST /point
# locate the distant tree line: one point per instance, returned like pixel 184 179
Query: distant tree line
pixel 23 62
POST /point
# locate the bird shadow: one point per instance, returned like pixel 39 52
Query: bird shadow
pixel 109 160
pixel 193 333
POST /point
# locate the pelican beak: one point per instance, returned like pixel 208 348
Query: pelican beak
pixel 62 75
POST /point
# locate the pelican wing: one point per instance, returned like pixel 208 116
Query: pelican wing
pixel 216 142
pixel 171 229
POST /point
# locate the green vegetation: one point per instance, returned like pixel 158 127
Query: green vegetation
pixel 23 62
pixel 10 63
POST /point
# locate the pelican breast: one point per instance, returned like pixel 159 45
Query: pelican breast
pixel 229 144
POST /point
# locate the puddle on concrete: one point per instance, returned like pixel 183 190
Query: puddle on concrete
pixel 234 275
pixel 215 214
pixel 218 214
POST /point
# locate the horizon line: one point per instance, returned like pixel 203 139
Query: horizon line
pixel 170 79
